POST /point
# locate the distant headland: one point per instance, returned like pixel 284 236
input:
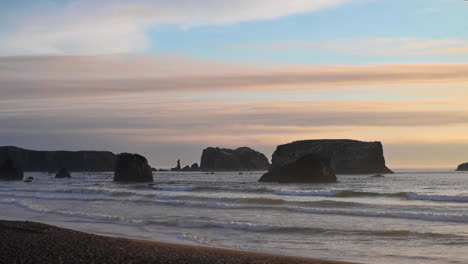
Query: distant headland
pixel 52 161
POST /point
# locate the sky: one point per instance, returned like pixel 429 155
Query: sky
pixel 168 78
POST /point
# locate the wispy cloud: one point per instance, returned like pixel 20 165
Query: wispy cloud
pixel 379 46
pixel 90 27
pixel 89 76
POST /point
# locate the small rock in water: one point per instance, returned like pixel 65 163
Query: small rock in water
pixel 29 179
pixel 378 176
pixel 63 173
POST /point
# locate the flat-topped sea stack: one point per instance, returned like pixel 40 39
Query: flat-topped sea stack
pixel 463 167
pixel 307 169
pixel 132 168
pixel 347 156
pixel 240 159
pixel 10 172
pixel 32 160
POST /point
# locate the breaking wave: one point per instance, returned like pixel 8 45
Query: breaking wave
pixel 350 193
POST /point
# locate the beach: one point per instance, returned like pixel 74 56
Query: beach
pixel 30 242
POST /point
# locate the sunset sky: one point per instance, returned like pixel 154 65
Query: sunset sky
pixel 167 78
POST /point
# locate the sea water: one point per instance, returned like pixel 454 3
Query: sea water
pixel 413 216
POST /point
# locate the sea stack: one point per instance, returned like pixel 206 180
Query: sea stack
pixel 8 171
pixel 132 168
pixel 240 159
pixel 346 156
pixel 307 169
pixel 63 173
pixel 177 167
pixel 463 167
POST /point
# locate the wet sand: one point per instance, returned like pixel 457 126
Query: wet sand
pixel 29 242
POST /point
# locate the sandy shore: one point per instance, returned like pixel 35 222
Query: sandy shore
pixel 29 242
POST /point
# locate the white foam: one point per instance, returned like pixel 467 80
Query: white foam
pixel 215 205
pixel 57 198
pixel 445 198
pixel 403 215
pixel 302 193
pixel 174 188
pixel 231 225
pixel 164 197
pixel 92 216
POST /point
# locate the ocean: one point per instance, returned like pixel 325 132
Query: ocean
pixel 413 216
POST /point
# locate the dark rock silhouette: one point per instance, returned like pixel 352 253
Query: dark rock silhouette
pixel 32 160
pixel 194 167
pixel 132 168
pixel 378 176
pixel 347 156
pixel 63 173
pixel 186 168
pixel 222 159
pixel 310 168
pixel 177 168
pixel 154 169
pixel 9 171
pixel 463 167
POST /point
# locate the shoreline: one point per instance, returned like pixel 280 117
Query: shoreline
pixel 31 242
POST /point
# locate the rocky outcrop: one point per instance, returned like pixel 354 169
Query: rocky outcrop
pixel 63 173
pixel 132 168
pixel 194 167
pixel 29 179
pixel 222 159
pixel 347 156
pixel 307 169
pixel 32 160
pixel 177 167
pixel 463 167
pixel 9 171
